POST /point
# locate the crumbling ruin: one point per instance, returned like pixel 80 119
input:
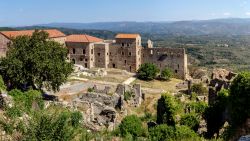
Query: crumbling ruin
pixel 101 108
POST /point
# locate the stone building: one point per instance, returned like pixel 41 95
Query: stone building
pixel 125 52
pixel 6 36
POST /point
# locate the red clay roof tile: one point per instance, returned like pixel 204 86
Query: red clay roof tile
pixel 53 33
pixel 127 36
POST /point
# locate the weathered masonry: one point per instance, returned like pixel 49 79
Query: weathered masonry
pixel 125 52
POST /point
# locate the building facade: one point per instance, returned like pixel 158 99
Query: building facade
pixel 125 52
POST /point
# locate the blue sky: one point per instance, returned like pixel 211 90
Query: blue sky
pixel 29 12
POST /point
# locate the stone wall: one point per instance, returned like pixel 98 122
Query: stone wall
pixel 3 45
pixel 101 53
pixel 175 59
pixel 60 40
pixel 81 53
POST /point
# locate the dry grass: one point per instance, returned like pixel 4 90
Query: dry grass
pixel 169 86
pixel 113 75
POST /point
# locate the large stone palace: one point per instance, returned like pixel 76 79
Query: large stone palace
pixel 125 52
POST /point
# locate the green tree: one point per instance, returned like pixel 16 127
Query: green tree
pixel 214 114
pixel 166 110
pixel 131 125
pixel 239 98
pixel 147 71
pixel 35 61
pixel 166 74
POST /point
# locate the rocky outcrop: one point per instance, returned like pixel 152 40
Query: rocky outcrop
pixel 100 108
pixel 5 100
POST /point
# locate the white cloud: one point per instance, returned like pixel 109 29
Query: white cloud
pixel 227 14
pixel 247 13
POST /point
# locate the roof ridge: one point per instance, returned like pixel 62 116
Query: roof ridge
pixel 86 37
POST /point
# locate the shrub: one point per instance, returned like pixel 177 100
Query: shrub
pixel 239 99
pixel 90 90
pixel 2 85
pixel 162 132
pixel 166 110
pixel 131 125
pixel 76 117
pixel 184 132
pixel 166 74
pixel 128 95
pixel 147 71
pixel 191 120
pixel 199 89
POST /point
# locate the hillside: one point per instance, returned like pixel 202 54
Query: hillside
pixel 232 26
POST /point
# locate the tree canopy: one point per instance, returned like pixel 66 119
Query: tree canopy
pixel 239 98
pixel 148 71
pixel 131 125
pixel 166 110
pixel 35 61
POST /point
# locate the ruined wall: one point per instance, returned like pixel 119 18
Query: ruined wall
pixel 101 53
pixel 123 58
pixel 3 45
pixel 175 59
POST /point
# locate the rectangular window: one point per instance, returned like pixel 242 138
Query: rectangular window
pixel 74 51
pixel 129 54
pixel 83 51
pixel 92 51
pixel 99 54
pixel 125 61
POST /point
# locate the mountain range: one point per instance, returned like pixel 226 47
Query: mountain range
pixel 230 26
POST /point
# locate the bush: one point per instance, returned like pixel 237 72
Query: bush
pixel 199 89
pixel 162 132
pixel 191 120
pixel 131 125
pixel 147 71
pixel 128 95
pixel 25 100
pixel 76 118
pixel 2 85
pixel 166 74
pixel 166 110
pixel 184 132
pixel 239 100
